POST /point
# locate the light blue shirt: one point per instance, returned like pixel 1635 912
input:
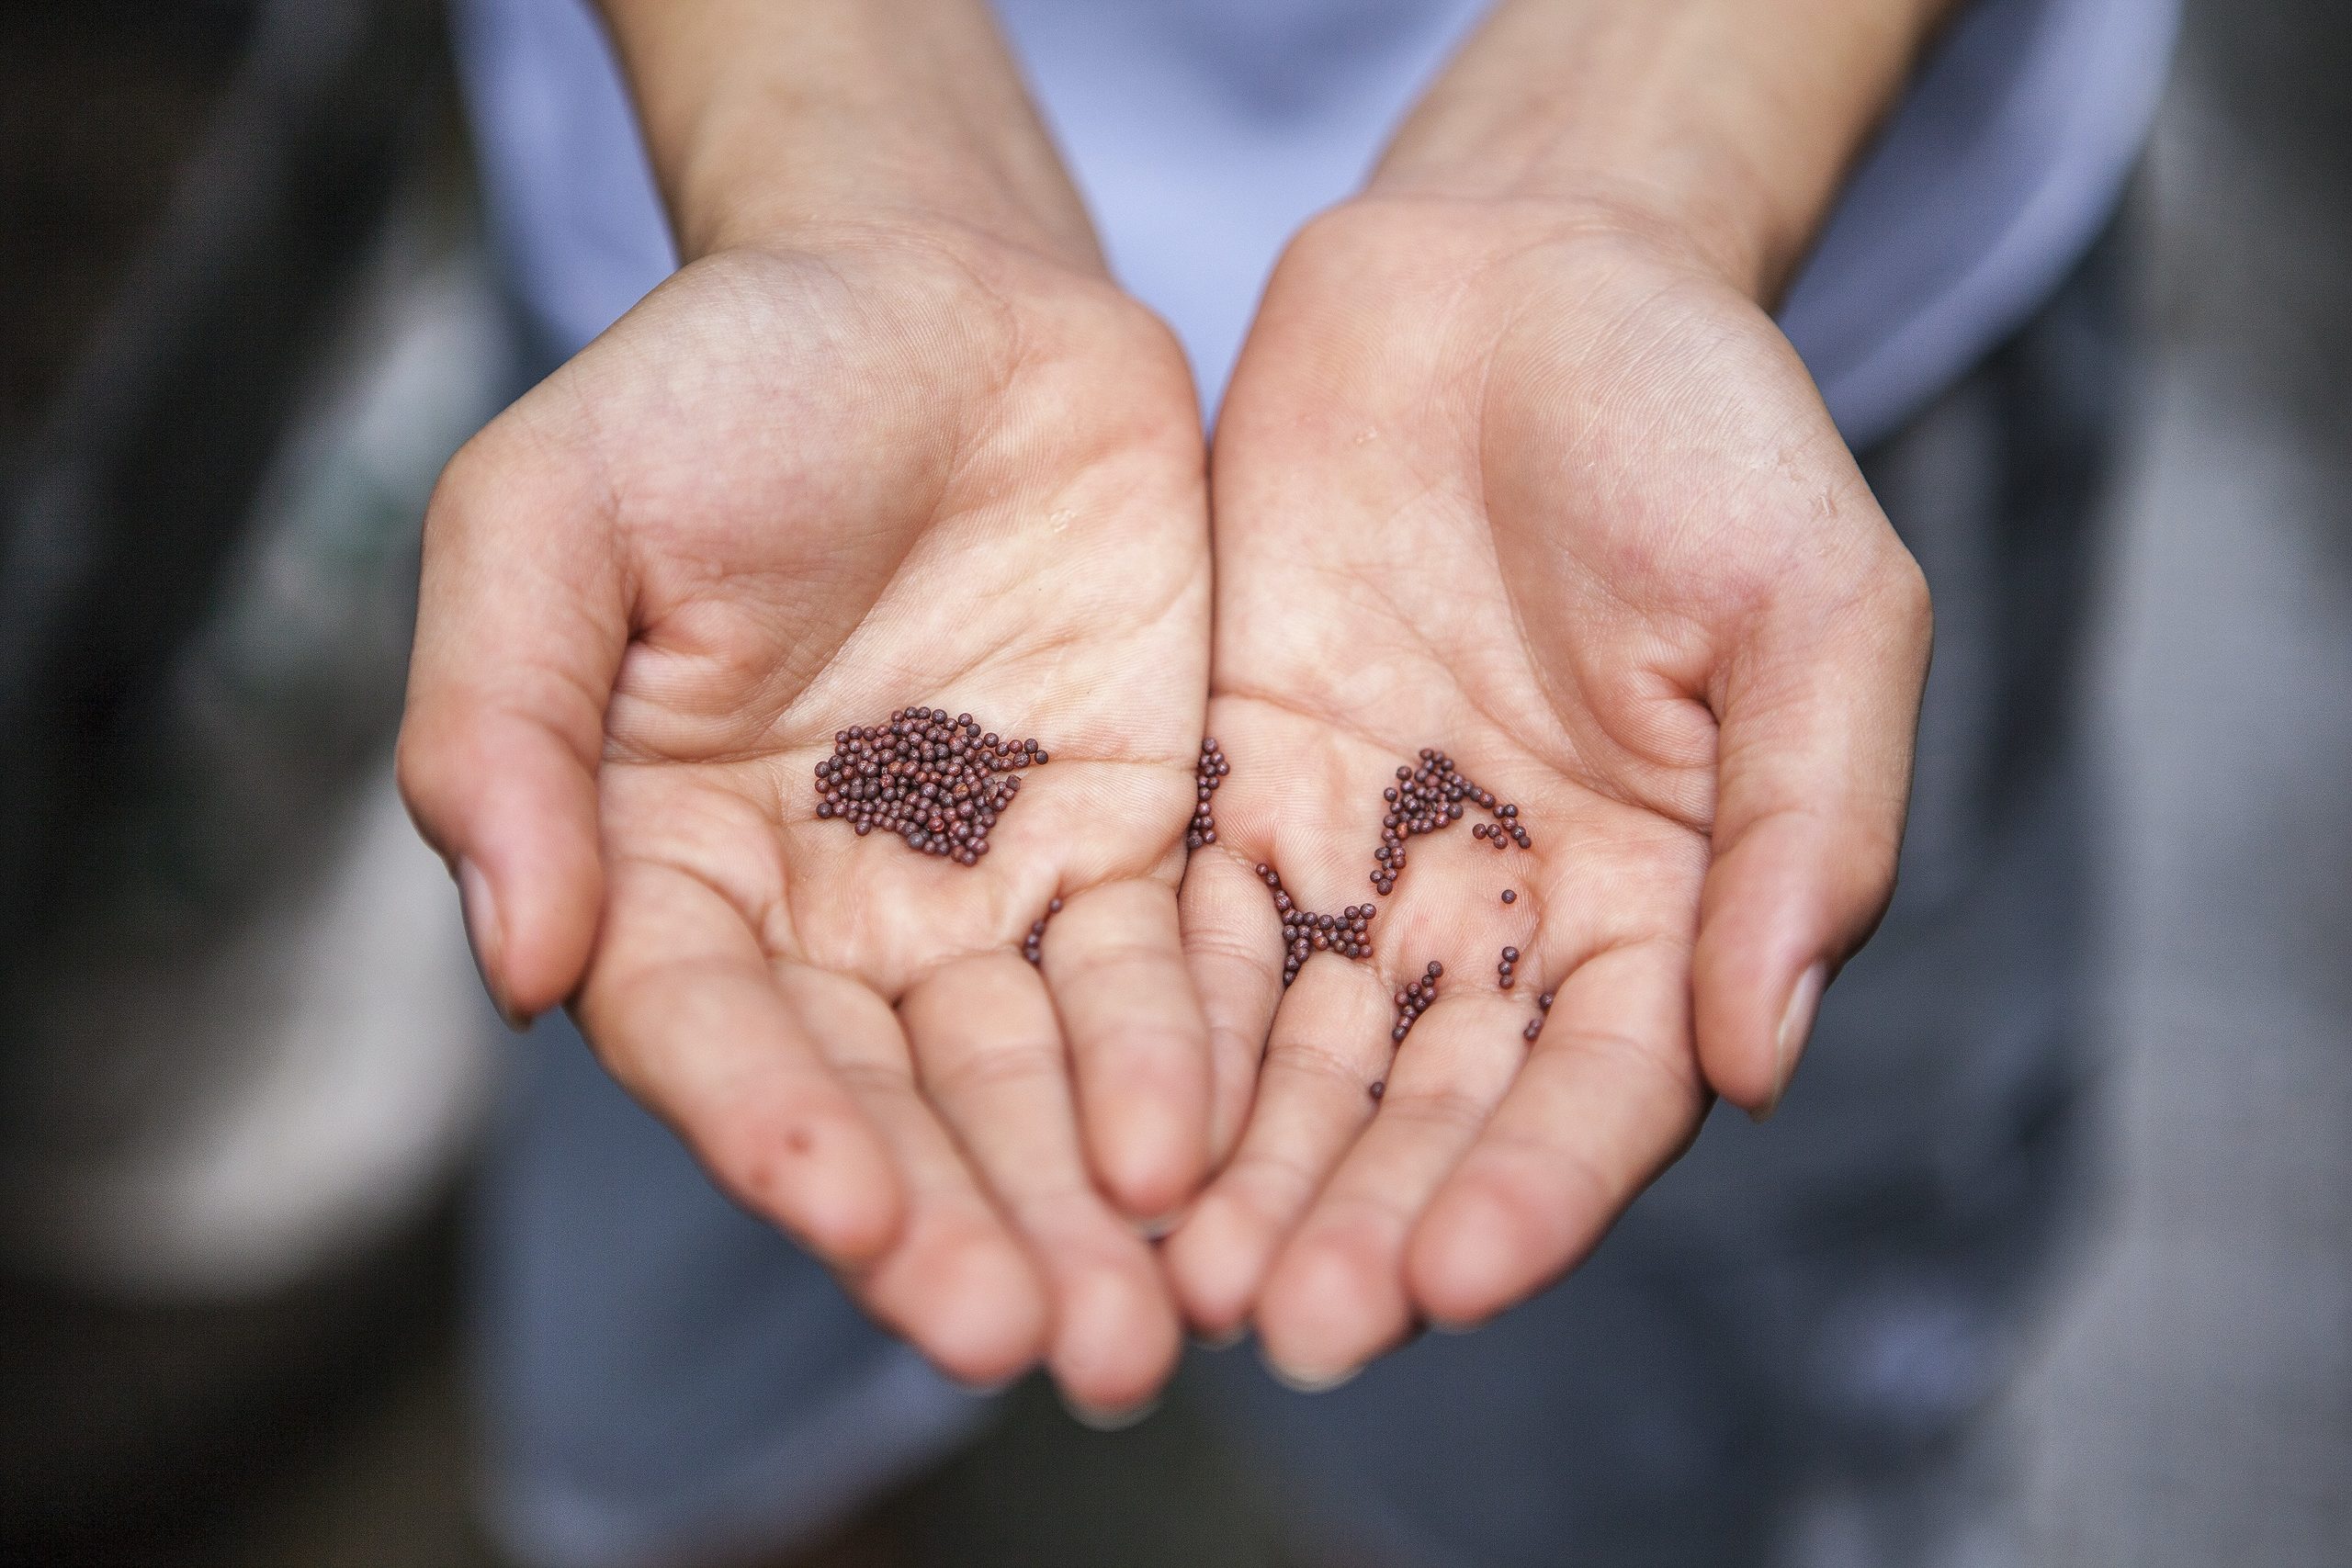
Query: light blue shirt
pixel 1204 132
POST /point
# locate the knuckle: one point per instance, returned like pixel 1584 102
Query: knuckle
pixel 1314 1061
pixel 982 1073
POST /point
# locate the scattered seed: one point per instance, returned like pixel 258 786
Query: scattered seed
pixel 1207 773
pixel 1415 1000
pixel 1306 933
pixel 937 782
pixel 1534 1027
pixel 1509 897
pixel 1033 946
pixel 1427 798
pixel 1544 1001
pixel 1379 1088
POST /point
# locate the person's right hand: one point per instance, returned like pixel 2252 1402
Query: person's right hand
pixel 793 490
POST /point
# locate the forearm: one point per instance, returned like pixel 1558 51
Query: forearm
pixel 1728 123
pixel 768 118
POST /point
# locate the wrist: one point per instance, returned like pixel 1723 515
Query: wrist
pixel 1718 128
pixel 769 121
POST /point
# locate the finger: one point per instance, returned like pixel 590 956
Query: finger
pixel 1606 1098
pixel 521 623
pixel 1233 948
pixel 1139 1046
pixel 1817 725
pixel 1335 1296
pixel 956 1283
pixel 681 1007
pixel 1329 1045
pixel 989 1055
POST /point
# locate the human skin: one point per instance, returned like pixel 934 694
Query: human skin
pixel 1516 464
pixel 889 437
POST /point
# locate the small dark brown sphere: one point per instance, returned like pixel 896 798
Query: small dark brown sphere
pixel 1509 897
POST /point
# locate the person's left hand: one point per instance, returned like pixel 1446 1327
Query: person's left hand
pixel 1538 489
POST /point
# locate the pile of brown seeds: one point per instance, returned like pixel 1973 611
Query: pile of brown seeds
pixel 1033 946
pixel 1433 796
pixel 1207 773
pixel 1415 1000
pixel 935 781
pixel 1305 932
pixel 1429 797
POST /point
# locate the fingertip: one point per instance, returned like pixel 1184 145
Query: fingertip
pixel 1149 1151
pixel 824 1175
pixel 1323 1316
pixel 1214 1263
pixel 991 1317
pixel 515 817
pixel 1774 908
pixel 1115 1342
pixel 1469 1259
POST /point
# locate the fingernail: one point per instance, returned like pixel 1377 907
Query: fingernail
pixel 1310 1382
pixel 1797 1027
pixel 485 937
pixel 985 1389
pixel 1101 1418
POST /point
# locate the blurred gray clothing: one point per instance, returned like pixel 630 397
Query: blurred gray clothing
pixel 1820 1305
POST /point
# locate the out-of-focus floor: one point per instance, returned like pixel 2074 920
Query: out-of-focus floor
pixel 2191 1401
pixel 2194 1402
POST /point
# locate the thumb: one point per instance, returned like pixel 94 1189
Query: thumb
pixel 1817 716
pixel 522 620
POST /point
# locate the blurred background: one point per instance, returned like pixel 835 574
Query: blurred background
pixel 245 314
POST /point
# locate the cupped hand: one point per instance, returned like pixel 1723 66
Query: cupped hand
pixel 793 490
pixel 1540 491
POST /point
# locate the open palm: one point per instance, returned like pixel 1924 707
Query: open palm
pixel 1545 496
pixel 787 494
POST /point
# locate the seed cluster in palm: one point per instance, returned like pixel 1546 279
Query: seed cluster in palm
pixel 1426 798
pixel 937 781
